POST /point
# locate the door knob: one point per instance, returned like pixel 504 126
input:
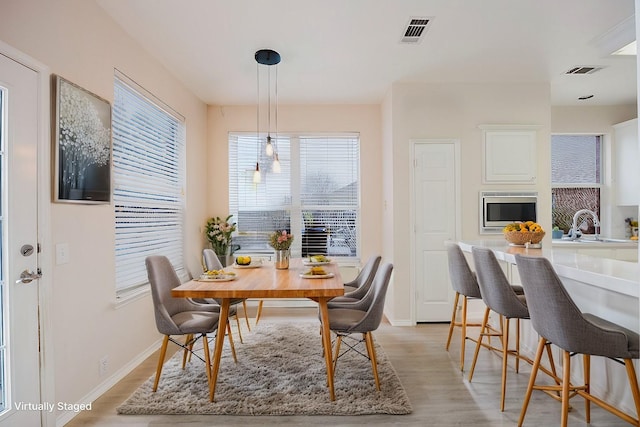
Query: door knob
pixel 27 277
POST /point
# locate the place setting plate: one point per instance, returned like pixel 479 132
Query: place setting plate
pixel 218 278
pixel 310 261
pixel 317 276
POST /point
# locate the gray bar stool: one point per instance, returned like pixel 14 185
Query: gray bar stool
pixel 500 297
pixel 558 320
pixel 464 282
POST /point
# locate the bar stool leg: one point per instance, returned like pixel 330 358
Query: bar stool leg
pixel 484 326
pixel 463 338
pixel 453 320
pixel 505 355
pixel 633 382
pixel 542 343
pixel 517 346
pixel 566 378
pixel 586 361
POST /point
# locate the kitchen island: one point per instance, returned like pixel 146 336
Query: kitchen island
pixel 606 287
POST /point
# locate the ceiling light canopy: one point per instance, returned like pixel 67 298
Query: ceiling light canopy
pixel 267 58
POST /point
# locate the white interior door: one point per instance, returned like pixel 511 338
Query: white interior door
pixel 19 341
pixel 435 215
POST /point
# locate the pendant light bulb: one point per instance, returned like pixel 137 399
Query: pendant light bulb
pixel 269 148
pixel 275 167
pixel 256 175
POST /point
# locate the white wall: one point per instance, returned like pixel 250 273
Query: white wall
pixel 600 121
pixel 364 119
pixel 78 41
pixel 454 111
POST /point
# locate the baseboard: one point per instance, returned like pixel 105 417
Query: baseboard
pixel 117 376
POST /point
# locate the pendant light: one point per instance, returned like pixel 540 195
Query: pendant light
pixel 268 58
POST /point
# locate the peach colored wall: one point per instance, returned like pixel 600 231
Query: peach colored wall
pixel 78 41
pixel 364 119
pixel 454 111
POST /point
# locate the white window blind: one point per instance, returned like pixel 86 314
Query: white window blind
pixel 148 151
pixel 316 196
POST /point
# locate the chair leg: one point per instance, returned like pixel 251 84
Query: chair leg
pixel 485 320
pixel 586 360
pixel 259 312
pixel 372 356
pixel 163 352
pixel 566 378
pixel 246 315
pixel 207 357
pixel 233 347
pixel 517 345
pixel 337 353
pixel 505 355
pixel 463 332
pixel 239 330
pixel 186 352
pixel 542 343
pixel 452 324
pixel 633 382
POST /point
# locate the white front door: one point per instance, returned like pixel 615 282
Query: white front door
pixel 19 341
pixel 436 217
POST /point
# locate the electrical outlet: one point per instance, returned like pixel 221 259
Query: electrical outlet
pixel 104 365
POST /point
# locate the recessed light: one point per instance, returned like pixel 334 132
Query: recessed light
pixel 582 98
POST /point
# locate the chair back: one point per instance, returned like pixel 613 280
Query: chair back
pixel 556 317
pixel 163 278
pixel 211 261
pixel 496 291
pixel 463 280
pixel 363 281
pixel 378 292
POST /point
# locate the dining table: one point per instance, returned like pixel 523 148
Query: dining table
pixel 261 280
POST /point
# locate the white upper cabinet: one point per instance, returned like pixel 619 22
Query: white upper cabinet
pixel 627 167
pixel 509 154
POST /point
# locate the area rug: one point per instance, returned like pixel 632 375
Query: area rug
pixel 280 371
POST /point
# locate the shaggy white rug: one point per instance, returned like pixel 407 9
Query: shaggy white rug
pixel 280 371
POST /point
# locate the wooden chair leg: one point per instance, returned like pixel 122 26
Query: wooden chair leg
pixel 566 380
pixel 586 360
pixel 505 356
pixel 633 382
pixel 186 354
pixel 372 356
pixel 233 347
pixel 337 353
pixel 259 312
pixel 485 320
pixel 463 332
pixel 239 330
pixel 207 357
pixel 163 352
pixel 542 343
pixel 453 320
pixel 517 345
pixel 246 314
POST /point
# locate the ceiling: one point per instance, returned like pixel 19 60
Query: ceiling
pixel 349 51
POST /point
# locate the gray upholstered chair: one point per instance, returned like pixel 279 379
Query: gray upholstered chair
pixel 177 316
pixel 211 262
pixel 362 282
pixel 347 321
pixel 499 296
pixel 465 284
pixel 557 319
pixel 356 288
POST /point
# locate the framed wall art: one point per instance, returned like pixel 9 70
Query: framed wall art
pixel 82 145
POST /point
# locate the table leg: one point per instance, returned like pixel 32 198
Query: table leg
pixel 222 327
pixel 326 340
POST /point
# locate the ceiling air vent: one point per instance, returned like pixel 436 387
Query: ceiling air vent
pixel 584 69
pixel 415 29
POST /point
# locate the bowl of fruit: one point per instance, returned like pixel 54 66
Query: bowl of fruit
pixel 522 233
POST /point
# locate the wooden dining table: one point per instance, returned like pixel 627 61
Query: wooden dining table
pixel 265 281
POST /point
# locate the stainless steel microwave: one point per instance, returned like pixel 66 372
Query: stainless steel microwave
pixel 499 208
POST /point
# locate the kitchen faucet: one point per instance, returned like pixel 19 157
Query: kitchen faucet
pixel 573 232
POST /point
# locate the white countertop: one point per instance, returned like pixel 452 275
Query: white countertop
pixel 614 275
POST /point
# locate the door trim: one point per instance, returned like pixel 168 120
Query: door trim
pixel 45 295
pixel 412 220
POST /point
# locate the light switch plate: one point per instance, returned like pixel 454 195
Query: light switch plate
pixel 62 253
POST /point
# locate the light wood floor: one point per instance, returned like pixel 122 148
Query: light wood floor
pixel 439 392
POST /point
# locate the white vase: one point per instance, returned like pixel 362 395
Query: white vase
pixel 282 256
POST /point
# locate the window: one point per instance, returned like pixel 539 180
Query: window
pixel 576 177
pixel 148 150
pixel 315 197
